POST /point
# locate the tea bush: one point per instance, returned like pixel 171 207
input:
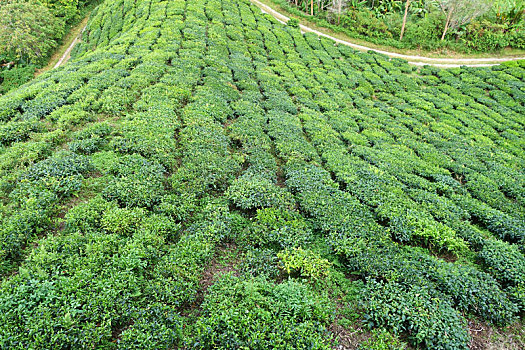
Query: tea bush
pixel 261 262
pixel 90 139
pixel 252 192
pixel 382 340
pixel 189 139
pixel 258 314
pixel 304 263
pixel 507 264
pixel 17 131
pixel 154 328
pixel 277 229
pixel 430 319
pixel 136 182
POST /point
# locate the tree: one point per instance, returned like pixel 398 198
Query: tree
pixel 460 12
pixel 509 12
pixel 338 6
pixel 407 5
pixel 66 9
pixel 28 30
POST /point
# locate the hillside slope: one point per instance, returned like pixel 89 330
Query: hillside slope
pixel 199 175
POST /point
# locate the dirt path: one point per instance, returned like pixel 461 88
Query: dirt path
pixel 67 55
pixel 415 60
pixel 61 54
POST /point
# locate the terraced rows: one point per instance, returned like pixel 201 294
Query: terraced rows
pixel 184 127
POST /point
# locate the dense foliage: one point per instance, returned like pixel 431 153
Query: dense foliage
pixel 350 188
pixel 29 32
pixel 460 25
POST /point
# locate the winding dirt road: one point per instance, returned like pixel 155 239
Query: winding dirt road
pixel 415 60
pixel 65 57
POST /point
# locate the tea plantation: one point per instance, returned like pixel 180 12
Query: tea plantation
pixel 202 176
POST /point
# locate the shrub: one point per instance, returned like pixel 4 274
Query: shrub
pixel 86 217
pixel 160 226
pixel 68 10
pixel 364 22
pixel 93 287
pixel 17 131
pixel 486 36
pixel 425 32
pixel 261 262
pixel 60 165
pixel 179 207
pixel 253 191
pixel 348 224
pixel 32 218
pixel 304 263
pixel 14 161
pixel 207 162
pixel 293 23
pixel 157 327
pixel 176 277
pixel 116 100
pixel 62 173
pixel 149 134
pixel 137 182
pixel 381 339
pixel 90 139
pixel 507 264
pixel 259 315
pixel 122 221
pixel 428 318
pixel 14 77
pixel 517 39
pixel 277 229
pixel 68 116
pixel 503 225
pixel 504 261
pixel 88 146
pixel 469 289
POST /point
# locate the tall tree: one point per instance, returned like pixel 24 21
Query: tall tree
pixel 66 9
pixel 407 5
pixel 460 12
pixel 28 30
pixel 338 6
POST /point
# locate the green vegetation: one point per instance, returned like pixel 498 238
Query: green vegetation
pixel 466 26
pixel 202 176
pixel 29 32
pixel 257 314
pixel 34 37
